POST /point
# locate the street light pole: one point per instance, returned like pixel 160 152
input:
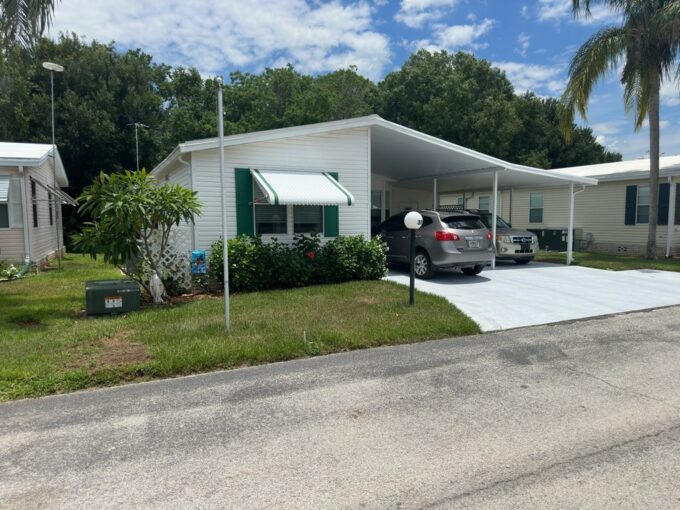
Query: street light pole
pixel 137 125
pixel 54 68
pixel 225 248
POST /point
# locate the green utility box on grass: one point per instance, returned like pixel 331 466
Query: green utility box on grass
pixel 107 297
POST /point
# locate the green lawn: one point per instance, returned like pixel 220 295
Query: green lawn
pixel 612 262
pixel 48 346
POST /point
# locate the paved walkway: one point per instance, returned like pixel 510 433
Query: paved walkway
pixel 513 296
pixel 580 415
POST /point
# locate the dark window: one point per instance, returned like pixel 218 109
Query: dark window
pixel 50 205
pixel 464 222
pixel 536 208
pixel 269 219
pixel 34 199
pixel 307 219
pixel 394 224
pixel 4 215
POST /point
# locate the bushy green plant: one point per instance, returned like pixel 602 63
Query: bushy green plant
pixel 256 265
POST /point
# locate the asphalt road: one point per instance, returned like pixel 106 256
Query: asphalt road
pixel 580 415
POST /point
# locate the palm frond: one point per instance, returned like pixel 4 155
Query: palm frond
pixel 599 55
pixel 25 20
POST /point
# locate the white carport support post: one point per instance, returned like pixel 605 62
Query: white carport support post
pixel 434 199
pixel 671 218
pixel 225 244
pixel 570 233
pixel 495 215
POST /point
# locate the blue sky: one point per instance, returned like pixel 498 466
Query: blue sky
pixel 531 40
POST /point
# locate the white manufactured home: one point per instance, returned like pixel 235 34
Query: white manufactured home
pixel 334 178
pixel 31 176
pixel 612 217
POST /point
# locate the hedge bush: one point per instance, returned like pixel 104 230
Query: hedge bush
pixel 256 265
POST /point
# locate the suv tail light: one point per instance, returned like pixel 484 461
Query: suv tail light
pixel 443 235
pixel 489 236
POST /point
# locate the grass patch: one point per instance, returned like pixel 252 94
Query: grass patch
pixel 48 346
pixel 611 262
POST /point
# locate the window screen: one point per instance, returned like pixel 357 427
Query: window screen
pixel 270 219
pixel 536 208
pixel 483 203
pixel 643 204
pixel 307 219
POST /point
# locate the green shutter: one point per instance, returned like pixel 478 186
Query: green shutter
pixel 631 204
pixel 331 222
pixel 662 209
pixel 677 204
pixel 244 202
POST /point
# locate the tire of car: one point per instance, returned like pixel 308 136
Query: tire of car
pixel 423 265
pixel 471 271
pixel 521 262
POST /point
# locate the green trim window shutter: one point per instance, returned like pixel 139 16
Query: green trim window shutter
pixel 631 204
pixel 245 220
pixel 677 204
pixel 662 209
pixel 331 221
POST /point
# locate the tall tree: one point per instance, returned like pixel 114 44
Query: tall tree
pixel 647 43
pixel 24 21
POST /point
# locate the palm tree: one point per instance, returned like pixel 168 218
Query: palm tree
pixel 23 21
pixel 646 43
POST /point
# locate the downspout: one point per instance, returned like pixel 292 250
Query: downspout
pixel 671 218
pixel 24 217
pixel 191 179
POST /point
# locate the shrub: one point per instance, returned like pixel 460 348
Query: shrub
pixel 256 265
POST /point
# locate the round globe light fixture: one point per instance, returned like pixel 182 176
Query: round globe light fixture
pixel 413 220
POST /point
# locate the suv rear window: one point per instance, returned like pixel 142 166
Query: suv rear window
pixel 464 222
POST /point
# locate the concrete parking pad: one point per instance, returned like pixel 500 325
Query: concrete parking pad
pixel 513 296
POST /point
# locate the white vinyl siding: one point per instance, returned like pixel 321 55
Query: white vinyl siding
pixel 43 237
pixel 184 240
pixel 345 152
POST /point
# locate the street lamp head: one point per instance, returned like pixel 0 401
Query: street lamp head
pixel 413 220
pixel 51 66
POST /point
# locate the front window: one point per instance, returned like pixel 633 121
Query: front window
pixel 269 219
pixel 643 204
pixel 484 203
pixel 307 219
pixel 536 208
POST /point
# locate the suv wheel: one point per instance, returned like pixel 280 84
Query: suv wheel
pixel 471 271
pixel 423 265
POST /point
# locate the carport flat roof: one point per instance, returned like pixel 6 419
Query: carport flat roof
pixel 404 154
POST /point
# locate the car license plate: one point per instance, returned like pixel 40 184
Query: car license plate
pixel 473 243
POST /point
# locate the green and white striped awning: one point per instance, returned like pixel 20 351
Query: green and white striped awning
pixel 301 188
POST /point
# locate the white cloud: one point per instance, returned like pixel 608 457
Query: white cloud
pixel 524 41
pixel 670 93
pixel 524 11
pixel 455 37
pixel 540 79
pixel 416 13
pixel 215 36
pixel 559 10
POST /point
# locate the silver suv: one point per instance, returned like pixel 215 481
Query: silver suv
pixel 446 240
pixel 511 243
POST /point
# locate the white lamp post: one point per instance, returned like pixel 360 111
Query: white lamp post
pixel 54 68
pixel 225 249
pixel 413 221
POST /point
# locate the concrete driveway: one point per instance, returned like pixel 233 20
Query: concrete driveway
pixel 578 415
pixel 513 296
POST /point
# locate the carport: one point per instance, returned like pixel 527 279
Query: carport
pixel 426 166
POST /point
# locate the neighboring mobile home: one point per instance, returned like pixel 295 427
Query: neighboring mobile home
pixel 610 218
pixel 30 202
pixel 334 178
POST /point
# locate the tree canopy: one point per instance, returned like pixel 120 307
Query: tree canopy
pixel 103 90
